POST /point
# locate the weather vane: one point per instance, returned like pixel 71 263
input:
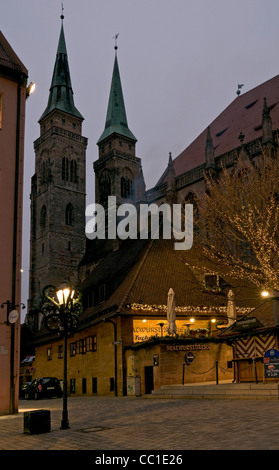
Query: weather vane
pixel 115 38
pixel 62 15
pixel 239 88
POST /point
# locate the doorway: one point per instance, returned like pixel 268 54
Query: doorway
pixel 148 371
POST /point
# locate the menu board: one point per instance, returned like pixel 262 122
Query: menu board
pixel 271 363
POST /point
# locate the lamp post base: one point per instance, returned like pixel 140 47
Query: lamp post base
pixel 64 424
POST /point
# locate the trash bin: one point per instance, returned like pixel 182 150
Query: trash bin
pixel 36 422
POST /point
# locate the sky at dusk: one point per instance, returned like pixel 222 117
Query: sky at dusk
pixel 180 63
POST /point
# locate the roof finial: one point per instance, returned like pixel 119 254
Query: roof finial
pixel 115 38
pixel 62 15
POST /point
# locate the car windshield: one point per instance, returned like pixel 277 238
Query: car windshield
pixel 48 380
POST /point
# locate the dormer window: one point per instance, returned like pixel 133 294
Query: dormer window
pixel 212 282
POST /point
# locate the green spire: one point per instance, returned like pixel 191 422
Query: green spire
pixel 60 92
pixel 116 119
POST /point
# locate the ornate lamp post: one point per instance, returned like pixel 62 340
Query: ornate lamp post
pixel 61 309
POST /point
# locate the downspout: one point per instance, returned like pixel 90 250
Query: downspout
pixel 14 266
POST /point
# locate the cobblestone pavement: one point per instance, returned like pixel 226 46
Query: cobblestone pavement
pixel 136 423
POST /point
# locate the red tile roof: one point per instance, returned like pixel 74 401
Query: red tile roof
pixel 244 115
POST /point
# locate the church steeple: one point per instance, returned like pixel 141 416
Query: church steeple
pixel 117 171
pixel 61 92
pixel 58 193
pixel 116 119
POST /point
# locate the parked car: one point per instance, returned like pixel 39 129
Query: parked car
pixel 23 389
pixel 44 387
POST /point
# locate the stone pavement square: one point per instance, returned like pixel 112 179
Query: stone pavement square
pixel 137 423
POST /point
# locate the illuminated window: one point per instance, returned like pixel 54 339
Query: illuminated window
pixel 49 354
pixel 91 343
pixel 60 351
pixel 73 349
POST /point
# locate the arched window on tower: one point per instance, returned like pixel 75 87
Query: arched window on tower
pixel 73 171
pixel 105 185
pixel 43 173
pixel 127 183
pixel 69 214
pixel 43 216
pixel 65 169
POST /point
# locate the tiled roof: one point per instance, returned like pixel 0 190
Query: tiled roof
pixel 244 115
pixel 146 272
pixel 61 93
pixel 263 313
pixel 116 119
pixel 8 57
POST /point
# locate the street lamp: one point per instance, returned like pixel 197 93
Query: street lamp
pixel 115 342
pixel 60 309
pixel 273 295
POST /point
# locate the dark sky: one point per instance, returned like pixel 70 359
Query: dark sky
pixel 180 62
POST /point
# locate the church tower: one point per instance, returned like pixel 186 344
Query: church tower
pixel 57 238
pixel 118 171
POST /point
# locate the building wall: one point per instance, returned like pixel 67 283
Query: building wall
pixel 167 361
pixel 100 364
pixel 97 364
pixel 11 149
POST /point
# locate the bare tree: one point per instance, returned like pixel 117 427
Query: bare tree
pixel 237 221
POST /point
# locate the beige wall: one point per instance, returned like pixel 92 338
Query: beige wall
pixel 171 357
pixel 100 364
pixel 93 364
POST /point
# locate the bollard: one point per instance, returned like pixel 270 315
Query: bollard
pixel 255 370
pixel 183 372
pixel 216 364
